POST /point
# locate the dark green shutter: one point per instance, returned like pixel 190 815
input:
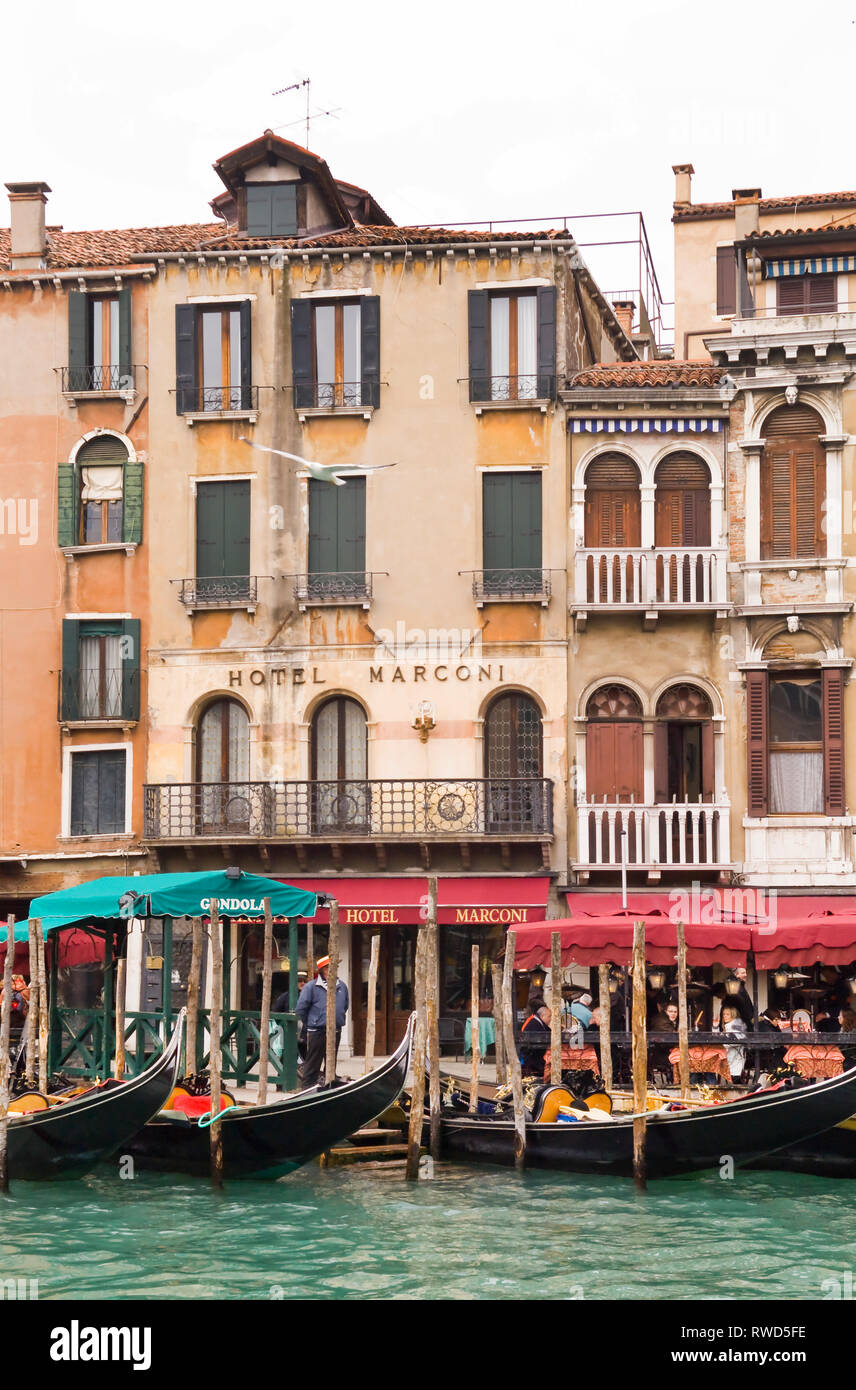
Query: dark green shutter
pixel 185 358
pixel 337 527
pixel 67 505
pixel 258 210
pixel 246 354
pixel 526 531
pixel 236 528
pixel 125 336
pixel 130 668
pixel 132 513
pixel 78 341
pixel 284 209
pixel 98 792
pixel 497 522
pixel 478 312
pixel 511 519
pixel 222 529
pixel 547 341
pixel 302 364
pixel 70 684
pixel 370 349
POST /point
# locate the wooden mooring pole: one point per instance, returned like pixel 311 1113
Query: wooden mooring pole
pixel 264 1012
pixel 332 980
pixel 639 1055
pixel 121 969
pixel 432 1019
pixel 371 1004
pixel 44 1004
pixel 475 1039
pixel 511 1057
pixel 499 1032
pixel 215 1056
pixel 556 1008
pixel 683 1019
pixel 33 1015
pixel 193 981
pixel 5 1060
pixel 420 1037
pixel 605 1026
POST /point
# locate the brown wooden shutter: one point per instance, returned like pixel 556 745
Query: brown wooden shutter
pixel 821 293
pixel 833 742
pixel 708 777
pixel 682 501
pixel 790 294
pixel 756 742
pixel 793 484
pixel 726 280
pixel 661 764
pixel 614 761
pixel 613 512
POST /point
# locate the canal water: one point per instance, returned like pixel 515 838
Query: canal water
pixel 467 1233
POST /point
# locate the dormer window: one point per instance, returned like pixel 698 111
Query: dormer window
pixel 271 209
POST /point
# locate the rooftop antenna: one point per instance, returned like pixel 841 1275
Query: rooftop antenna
pixel 310 115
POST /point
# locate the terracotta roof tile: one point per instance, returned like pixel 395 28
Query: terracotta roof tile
pixel 796 201
pixel 632 375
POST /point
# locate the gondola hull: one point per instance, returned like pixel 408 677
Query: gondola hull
pixel 69 1140
pixel 270 1141
pixel 828 1155
pixel 678 1142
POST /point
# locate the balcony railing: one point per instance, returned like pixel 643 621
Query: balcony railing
pixel 76 380
pixel 344 586
pixel 445 809
pixel 510 584
pixel 534 386
pixel 687 834
pixel 337 395
pixel 220 591
pixel 95 694
pixel 217 400
pixel 694 577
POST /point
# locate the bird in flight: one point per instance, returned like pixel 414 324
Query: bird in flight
pixel 324 472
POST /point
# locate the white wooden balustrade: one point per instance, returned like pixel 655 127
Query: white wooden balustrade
pixel 674 577
pixel 679 834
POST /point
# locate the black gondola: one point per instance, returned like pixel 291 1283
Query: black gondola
pixel 677 1141
pixel 828 1155
pixel 69 1138
pixel 269 1141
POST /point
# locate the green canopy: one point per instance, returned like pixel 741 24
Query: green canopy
pixel 167 895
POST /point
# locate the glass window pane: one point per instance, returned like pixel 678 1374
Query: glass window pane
pixel 327 742
pixel 89 665
pixel 352 361
pixel 92 522
pixel 796 710
pixel 499 345
pixel 212 351
pixel 325 351
pixel 239 744
pixel 796 783
pixel 527 360
pixel 210 745
pixel 114 521
pixel 112 683
pixel 235 359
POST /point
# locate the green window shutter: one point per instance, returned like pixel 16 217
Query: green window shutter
pixel 67 505
pixel 284 209
pixel 185 358
pixel 236 527
pixel 370 349
pixel 302 365
pixel 478 310
pixel 125 335
pixel 497 522
pixel 70 675
pixel 259 209
pixel 246 355
pixel 131 668
pixel 323 527
pixel 78 341
pixel 351 540
pixel 511 519
pixel 526 526
pixel 222 529
pixel 547 341
pixel 132 512
pixel 98 793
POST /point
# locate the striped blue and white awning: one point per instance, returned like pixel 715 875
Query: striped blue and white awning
pixel 712 425
pixel 809 265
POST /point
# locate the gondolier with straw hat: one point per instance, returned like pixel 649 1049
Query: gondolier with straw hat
pixel 312 1013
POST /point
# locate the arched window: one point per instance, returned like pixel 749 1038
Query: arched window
pixel 682 501
pixel 683 746
pixel 339 764
pixel 224 795
pixel 614 746
pixel 513 764
pixel 101 466
pixel 613 513
pixel 793 484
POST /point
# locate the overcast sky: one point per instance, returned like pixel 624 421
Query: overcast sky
pixel 447 113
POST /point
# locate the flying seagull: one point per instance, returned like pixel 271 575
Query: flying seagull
pixel 324 472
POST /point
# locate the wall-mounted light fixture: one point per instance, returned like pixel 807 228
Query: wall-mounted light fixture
pixel 424 719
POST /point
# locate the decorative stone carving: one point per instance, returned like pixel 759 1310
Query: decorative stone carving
pixel 613 702
pixel 684 702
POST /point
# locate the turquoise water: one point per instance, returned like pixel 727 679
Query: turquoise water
pixel 469 1233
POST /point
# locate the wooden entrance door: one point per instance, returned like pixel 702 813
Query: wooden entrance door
pixel 394 984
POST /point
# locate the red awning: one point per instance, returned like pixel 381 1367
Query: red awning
pixel 460 901
pixel 802 933
pixel 591 940
pixel 76 947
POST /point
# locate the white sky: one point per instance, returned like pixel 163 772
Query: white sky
pixel 470 111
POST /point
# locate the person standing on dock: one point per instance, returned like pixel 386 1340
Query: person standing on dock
pixel 312 1013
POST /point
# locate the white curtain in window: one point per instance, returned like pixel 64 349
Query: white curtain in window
pixel 796 783
pixel 527 355
pixel 100 688
pixel 102 484
pixel 352 365
pixel 355 740
pixel 499 344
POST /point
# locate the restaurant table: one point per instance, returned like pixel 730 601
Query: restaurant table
pixel 815 1060
pixel 487 1035
pixel 574 1059
pixel 702 1059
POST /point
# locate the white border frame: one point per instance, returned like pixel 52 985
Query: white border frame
pixel 67 753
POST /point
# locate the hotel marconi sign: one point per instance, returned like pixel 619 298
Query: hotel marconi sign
pixel 380 673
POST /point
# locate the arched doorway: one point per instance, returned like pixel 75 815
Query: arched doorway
pixel 224 794
pixel 793 484
pixel 684 776
pixel 513 764
pixel 339 766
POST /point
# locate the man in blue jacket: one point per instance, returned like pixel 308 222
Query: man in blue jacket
pixel 312 1013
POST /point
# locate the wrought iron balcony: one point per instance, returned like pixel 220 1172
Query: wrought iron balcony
pixel 220 591
pixel 664 578
pixel 114 379
pixel 459 808
pixel 511 584
pixel 99 693
pixel 217 400
pixel 337 395
pixel 534 386
pixel 343 586
pixel 678 835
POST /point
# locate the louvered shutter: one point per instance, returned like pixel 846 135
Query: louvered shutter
pixel 790 294
pixel 246 354
pixel 78 341
pixel 547 341
pixel 125 337
pixel 67 505
pixel 613 514
pixel 756 742
pixel 132 508
pixel 793 485
pixel 370 349
pixel 185 358
pixel 822 293
pixel 478 309
pixel 302 366
pixel 682 501
pixel 833 742
pixel 70 689
pixel 726 280
pixel 130 648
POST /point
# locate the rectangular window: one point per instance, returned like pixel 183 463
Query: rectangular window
pixel 100 676
pixel 337 539
pixel 335 352
pixel 213 358
pixel 338 367
pixel 223 540
pixel 220 358
pixel 100 656
pixel 726 280
pixel 512 344
pixel 98 792
pixel 796 744
pixel 101 504
pixel 271 209
pixel 807 294
pixel 511 533
pixel 99 342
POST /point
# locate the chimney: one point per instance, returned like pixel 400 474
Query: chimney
pixel 625 310
pixel 747 211
pixel 27 213
pixel 683 184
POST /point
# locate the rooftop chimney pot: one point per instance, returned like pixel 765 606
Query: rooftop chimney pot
pixel 683 184
pixel 27 219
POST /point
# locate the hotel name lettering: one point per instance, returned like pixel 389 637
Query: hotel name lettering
pixel 378 675
pixel 390 916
